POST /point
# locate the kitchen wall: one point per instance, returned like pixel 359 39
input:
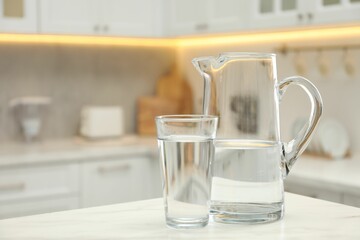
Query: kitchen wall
pixel 75 76
pixel 339 90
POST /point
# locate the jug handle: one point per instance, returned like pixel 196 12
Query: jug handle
pixel 293 149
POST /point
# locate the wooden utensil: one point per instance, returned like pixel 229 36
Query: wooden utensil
pixel 173 87
pixel 149 108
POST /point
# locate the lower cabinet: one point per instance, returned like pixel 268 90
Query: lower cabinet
pixel 352 199
pixel 314 192
pixel 112 181
pixel 54 187
pixel 32 207
pixel 322 193
pixel 38 189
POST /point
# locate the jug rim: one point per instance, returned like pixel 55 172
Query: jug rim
pixel 259 55
pixel 248 54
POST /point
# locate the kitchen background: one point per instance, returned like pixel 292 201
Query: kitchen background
pixel 74 77
pixel 83 53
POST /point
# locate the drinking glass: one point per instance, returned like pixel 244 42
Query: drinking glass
pixel 186 152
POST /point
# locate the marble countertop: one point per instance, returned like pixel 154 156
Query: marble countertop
pixel 76 149
pixel 305 218
pixel 338 175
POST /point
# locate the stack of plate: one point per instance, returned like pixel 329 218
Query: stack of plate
pixel 330 138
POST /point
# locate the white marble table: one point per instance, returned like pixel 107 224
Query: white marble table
pixel 305 218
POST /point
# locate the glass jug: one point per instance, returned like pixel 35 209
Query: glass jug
pixel 250 160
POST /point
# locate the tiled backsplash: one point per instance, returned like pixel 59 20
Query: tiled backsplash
pixel 75 76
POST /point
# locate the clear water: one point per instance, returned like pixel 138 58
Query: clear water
pixel 186 171
pixel 247 183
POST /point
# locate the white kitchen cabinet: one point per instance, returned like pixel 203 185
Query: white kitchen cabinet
pixel 204 16
pixel 185 16
pixel 352 199
pixel 31 207
pixel 277 13
pixel 334 11
pixel 110 181
pixel 68 16
pixel 292 13
pixel 228 15
pixel 38 189
pixel 96 17
pixel 314 192
pixel 38 182
pixel 18 16
pixel 129 18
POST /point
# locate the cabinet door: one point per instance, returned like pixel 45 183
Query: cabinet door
pixel 186 16
pixel 112 181
pixel 34 182
pixel 227 15
pixel 38 189
pixel 314 192
pixel 18 16
pixel 352 199
pixel 277 13
pixel 334 11
pixel 69 16
pixel 31 207
pixel 128 18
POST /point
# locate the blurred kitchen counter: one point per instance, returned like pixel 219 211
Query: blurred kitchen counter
pixel 333 180
pixel 76 149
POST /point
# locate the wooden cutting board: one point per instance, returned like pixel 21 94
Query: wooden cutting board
pixel 173 87
pixel 173 96
pixel 149 108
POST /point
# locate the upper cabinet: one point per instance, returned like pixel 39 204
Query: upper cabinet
pixel 291 13
pixel 159 18
pixel 68 16
pixel 211 16
pixel 18 16
pixel 334 11
pixel 130 17
pixel 203 16
pixel 96 17
pixel 277 13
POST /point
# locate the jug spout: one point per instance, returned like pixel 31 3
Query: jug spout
pixel 202 64
pixel 205 66
pixel 209 64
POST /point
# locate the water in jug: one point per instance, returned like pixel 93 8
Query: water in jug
pixel 251 161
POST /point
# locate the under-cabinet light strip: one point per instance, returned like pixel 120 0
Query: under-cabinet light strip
pixel 85 40
pixel 325 33
pixel 276 36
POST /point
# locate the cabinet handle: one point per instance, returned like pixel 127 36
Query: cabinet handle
pixel 106 169
pixel 300 17
pixel 201 27
pixel 310 16
pixel 12 187
pixel 96 28
pixel 105 28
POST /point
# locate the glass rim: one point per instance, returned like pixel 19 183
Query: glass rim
pixel 186 117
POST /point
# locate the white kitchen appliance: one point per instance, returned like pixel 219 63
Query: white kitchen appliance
pixel 102 121
pixel 29 112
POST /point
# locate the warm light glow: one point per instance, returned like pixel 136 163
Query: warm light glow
pixel 324 33
pixel 280 36
pixel 85 40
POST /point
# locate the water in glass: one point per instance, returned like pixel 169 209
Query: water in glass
pixel 186 171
